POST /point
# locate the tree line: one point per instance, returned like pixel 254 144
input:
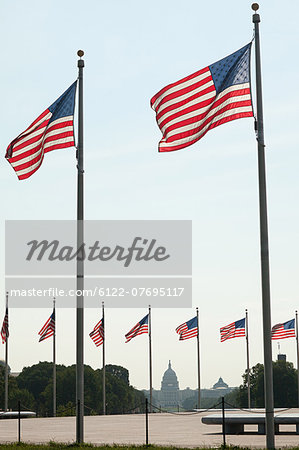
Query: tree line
pixel 285 387
pixel 33 387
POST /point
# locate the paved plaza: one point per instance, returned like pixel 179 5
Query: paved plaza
pixel 185 430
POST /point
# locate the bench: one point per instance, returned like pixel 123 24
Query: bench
pixel 234 423
pixel 15 414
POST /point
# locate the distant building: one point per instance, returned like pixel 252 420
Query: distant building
pixel 2 364
pixel 170 396
pixel 12 374
pixel 219 389
pixel 220 384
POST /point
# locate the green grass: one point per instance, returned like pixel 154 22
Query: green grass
pixel 55 445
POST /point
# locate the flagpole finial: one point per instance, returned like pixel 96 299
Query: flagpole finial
pixel 80 53
pixel 255 6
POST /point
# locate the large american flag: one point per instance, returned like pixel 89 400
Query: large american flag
pixel 97 334
pixel 188 330
pixel 284 330
pixel 4 329
pixel 140 328
pixel 217 94
pixel 233 330
pixel 53 129
pixel 48 329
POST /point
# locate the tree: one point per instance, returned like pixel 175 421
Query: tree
pixel 284 386
pixel 37 382
pixel 15 394
pixel 118 372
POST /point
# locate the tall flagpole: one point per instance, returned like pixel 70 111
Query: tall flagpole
pixel 265 270
pixel 198 360
pixel 297 342
pixel 80 263
pixel 104 366
pixel 248 367
pixel 6 361
pixel 54 361
pixel 150 356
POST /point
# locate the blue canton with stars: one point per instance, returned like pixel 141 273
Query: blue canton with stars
pixel 234 69
pixel 65 104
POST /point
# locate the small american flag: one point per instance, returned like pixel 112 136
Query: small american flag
pixel 53 129
pixel 140 328
pixel 188 329
pixel 48 329
pixel 4 329
pixel 217 94
pixel 97 334
pixel 284 330
pixel 233 330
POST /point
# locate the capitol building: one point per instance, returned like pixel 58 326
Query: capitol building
pixel 171 396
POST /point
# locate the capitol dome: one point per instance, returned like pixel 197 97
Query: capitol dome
pixel 220 384
pixel 169 380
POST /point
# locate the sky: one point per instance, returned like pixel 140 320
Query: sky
pixel 133 49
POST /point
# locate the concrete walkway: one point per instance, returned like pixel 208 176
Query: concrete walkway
pixel 182 430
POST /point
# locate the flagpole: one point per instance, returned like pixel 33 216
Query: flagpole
pixel 265 270
pixel 198 360
pixel 297 342
pixel 54 362
pixel 248 367
pixel 80 263
pixel 150 356
pixel 104 366
pixel 6 361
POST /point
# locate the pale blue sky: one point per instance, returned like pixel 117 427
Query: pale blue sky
pixel 133 49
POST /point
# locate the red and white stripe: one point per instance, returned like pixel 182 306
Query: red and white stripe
pixel 181 328
pixel 230 331
pixel 97 334
pixel 26 152
pixel 187 109
pixel 279 332
pixel 186 333
pixel 136 331
pixel 4 329
pixel 47 330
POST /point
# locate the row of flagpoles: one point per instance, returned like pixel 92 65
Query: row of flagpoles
pixel 186 330
pixel 185 111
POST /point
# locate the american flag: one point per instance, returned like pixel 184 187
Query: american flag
pixel 4 329
pixel 284 330
pixel 233 330
pixel 97 334
pixel 140 328
pixel 188 329
pixel 48 329
pixel 217 94
pixel 53 129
